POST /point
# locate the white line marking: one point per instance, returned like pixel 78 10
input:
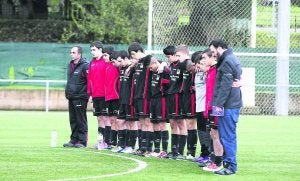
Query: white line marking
pixel 141 165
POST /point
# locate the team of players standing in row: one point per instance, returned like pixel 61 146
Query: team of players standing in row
pixel 135 95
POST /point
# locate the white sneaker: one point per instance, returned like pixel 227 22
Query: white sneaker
pixel 154 154
pixel 117 149
pixel 127 150
pixel 102 146
pixel 212 167
pixel 189 157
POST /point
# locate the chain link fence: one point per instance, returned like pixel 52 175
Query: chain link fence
pixel 250 28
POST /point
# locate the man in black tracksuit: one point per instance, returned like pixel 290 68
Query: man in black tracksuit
pixel 76 93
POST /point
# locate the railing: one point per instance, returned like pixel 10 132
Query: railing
pixel 47 83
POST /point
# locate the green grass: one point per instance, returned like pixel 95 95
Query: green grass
pixel 268 149
pixel 265 16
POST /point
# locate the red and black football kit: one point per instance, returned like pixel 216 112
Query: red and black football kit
pixel 188 100
pixel 159 86
pixel 173 92
pixel 142 80
pixel 96 80
pixel 126 109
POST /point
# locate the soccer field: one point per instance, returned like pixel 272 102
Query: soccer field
pixel 268 149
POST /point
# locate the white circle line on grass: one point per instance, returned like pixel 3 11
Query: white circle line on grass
pixel 141 165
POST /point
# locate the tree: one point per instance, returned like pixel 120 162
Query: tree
pixel 111 21
pixel 195 22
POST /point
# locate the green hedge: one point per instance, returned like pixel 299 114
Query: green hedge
pixel 32 30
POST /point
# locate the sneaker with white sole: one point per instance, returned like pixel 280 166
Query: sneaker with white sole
pixel 102 146
pixel 224 171
pixel 189 157
pixel 162 154
pixel 69 144
pixel 128 150
pixel 154 154
pixel 117 149
pixel 212 167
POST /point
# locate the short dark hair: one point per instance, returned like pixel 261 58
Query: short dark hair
pixel 196 56
pixel 114 55
pixel 96 44
pixel 208 52
pixel 79 49
pixel 169 50
pixel 123 54
pixel 108 49
pixel 135 47
pixel 218 43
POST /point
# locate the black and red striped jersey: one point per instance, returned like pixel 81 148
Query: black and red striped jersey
pixel 159 84
pixel 142 78
pixel 126 82
pixel 188 78
pixel 176 78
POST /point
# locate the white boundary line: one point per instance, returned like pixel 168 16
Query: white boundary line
pixel 141 165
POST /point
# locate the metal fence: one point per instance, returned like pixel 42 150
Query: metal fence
pixel 263 34
pixel 46 87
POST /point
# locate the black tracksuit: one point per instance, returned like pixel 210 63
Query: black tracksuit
pixel 76 93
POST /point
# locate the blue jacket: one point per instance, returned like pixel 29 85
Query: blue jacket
pixel 229 69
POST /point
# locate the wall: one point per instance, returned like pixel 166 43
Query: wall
pixel 11 99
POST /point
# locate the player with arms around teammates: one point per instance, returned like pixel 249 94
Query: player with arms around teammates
pixel 178 125
pixel 188 102
pixel 142 80
pixel 158 112
pixel 126 121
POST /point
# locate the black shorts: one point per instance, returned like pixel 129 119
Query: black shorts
pixel 158 111
pixel 126 112
pixel 112 107
pixel 99 106
pixel 174 106
pixel 141 107
pixel 188 103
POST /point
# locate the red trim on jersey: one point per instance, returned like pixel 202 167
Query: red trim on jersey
pixel 177 104
pixel 132 111
pixel 145 106
pixel 163 108
pixel 132 92
pixel 146 83
pixel 193 102
pixel 193 80
pixel 72 68
pixel 162 85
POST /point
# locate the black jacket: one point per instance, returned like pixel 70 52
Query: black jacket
pixel 76 87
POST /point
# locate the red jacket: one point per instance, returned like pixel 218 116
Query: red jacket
pixel 112 82
pixel 210 84
pixel 96 78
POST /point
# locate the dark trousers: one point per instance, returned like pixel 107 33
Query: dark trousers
pixel 78 121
